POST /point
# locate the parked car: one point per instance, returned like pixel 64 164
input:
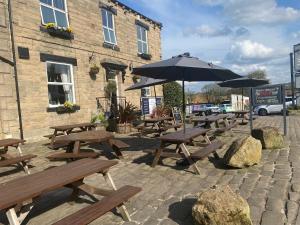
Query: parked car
pixel 201 108
pixel 213 108
pixel 225 108
pixel 264 110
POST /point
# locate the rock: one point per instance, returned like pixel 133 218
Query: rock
pixel 243 152
pixel 269 136
pixel 221 206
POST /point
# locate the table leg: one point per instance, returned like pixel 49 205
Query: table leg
pixel 188 157
pixel 76 147
pixel 157 154
pixel 53 138
pixel 121 208
pixel 25 167
pixel 12 217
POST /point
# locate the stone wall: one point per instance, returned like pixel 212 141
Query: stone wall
pixel 85 22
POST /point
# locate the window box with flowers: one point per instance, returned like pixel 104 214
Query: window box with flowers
pixel 145 56
pixel 67 107
pixel 61 32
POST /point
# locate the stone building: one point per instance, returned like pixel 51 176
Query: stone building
pixel 60 45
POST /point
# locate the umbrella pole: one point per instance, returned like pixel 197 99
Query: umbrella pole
pixel 242 99
pixel 251 118
pixel 183 105
pixel 155 96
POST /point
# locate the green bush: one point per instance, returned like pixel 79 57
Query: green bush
pixel 172 94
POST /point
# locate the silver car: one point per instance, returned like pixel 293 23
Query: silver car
pixel 264 110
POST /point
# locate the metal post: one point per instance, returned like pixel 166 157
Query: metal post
pixel 284 110
pixel 183 105
pixel 250 108
pixel 292 79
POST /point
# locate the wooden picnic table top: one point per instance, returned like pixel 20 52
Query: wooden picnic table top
pixel 240 112
pixel 72 126
pixel 181 137
pixel 157 119
pixel 211 118
pixel 10 142
pixel 85 136
pixel 31 186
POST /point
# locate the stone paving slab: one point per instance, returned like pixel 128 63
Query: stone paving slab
pixel 271 188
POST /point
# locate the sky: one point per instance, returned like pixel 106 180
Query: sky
pixel 241 35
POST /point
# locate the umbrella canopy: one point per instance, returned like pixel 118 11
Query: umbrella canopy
pixel 146 82
pixel 243 82
pixel 187 68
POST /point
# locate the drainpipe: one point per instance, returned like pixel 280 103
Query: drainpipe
pixel 15 67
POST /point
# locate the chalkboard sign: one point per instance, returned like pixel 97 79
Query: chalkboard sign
pixel 176 115
pixel 149 103
pixel 267 95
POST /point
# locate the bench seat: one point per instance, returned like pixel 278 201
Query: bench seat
pixel 205 151
pixel 118 144
pixel 92 212
pixel 15 160
pixel 230 126
pixel 80 155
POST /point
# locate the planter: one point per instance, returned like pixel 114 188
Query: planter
pixel 124 128
pixel 94 70
pixel 62 109
pixel 60 33
pixel 145 56
pixel 112 125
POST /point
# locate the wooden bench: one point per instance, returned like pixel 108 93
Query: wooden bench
pixel 229 127
pixel 204 152
pixel 16 160
pixel 73 156
pixel 92 212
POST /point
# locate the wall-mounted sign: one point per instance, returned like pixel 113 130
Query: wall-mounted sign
pixel 297 58
pixel 149 103
pixel 267 95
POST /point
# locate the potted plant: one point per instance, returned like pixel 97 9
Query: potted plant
pixel 94 69
pixel 100 120
pixel 110 88
pixel 127 114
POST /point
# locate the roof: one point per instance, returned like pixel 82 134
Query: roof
pixel 159 24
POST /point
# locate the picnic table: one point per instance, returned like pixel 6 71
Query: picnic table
pixel 211 121
pixel 182 139
pixel 16 193
pixel 74 141
pixel 68 129
pixel 240 113
pixel 158 125
pixel 7 159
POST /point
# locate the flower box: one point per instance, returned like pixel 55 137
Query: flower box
pixel 145 56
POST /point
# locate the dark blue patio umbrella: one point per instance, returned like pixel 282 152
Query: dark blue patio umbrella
pixel 244 82
pixel 185 68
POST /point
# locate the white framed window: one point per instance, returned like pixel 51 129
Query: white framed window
pixel 60 83
pixel 142 39
pixel 108 25
pixel 54 11
pixel 146 92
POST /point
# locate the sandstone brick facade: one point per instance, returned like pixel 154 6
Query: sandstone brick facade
pixel 86 24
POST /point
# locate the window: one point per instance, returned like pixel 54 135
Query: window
pixel 142 40
pixel 108 27
pixel 60 83
pixel 145 92
pixel 54 11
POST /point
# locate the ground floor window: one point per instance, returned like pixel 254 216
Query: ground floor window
pixel 60 83
pixel 145 92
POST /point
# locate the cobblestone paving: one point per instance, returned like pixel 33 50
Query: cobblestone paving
pixel 271 188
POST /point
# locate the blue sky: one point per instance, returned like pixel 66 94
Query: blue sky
pixel 242 35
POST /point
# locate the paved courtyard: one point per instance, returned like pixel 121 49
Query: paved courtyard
pixel 271 188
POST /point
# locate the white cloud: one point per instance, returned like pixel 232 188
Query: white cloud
pixel 296 34
pixel 248 51
pixel 255 11
pixel 245 69
pixel 211 31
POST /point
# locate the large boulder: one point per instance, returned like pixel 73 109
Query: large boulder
pixel 221 206
pixel 270 137
pixel 243 152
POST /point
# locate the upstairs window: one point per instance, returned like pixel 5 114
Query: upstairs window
pixel 60 83
pixel 145 92
pixel 142 40
pixel 54 11
pixel 108 27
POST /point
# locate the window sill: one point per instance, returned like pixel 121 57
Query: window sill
pixel 62 109
pixel 144 56
pixel 58 33
pixel 111 46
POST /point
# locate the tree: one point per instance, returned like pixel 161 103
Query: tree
pixel 172 94
pixel 258 74
pixel 214 93
pixel 190 96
